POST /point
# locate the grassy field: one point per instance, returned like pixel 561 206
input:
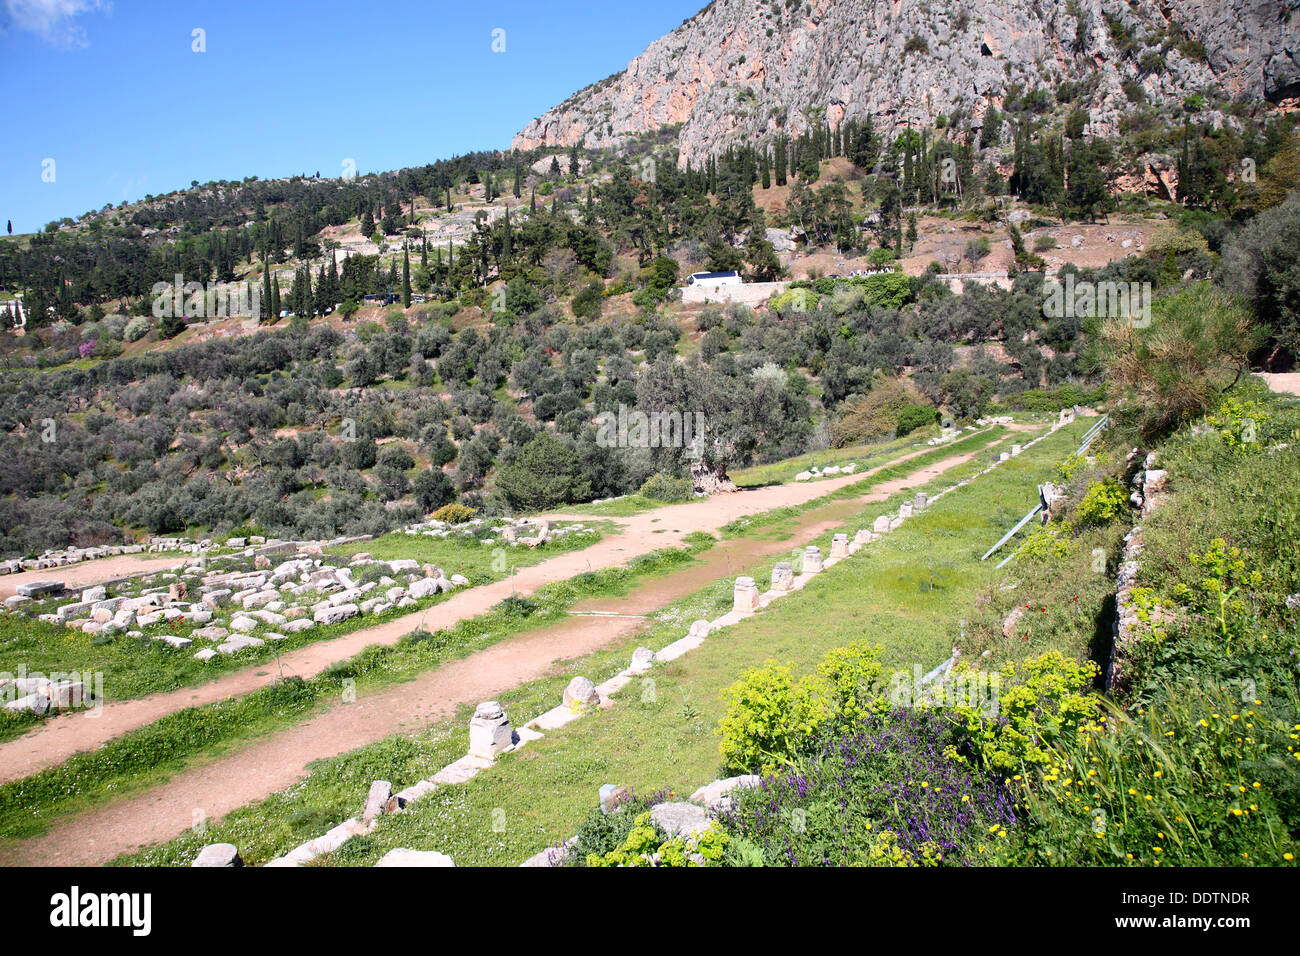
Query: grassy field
pixel 908 592
pixel 775 523
pixel 785 470
pixel 479 557
pixel 618 508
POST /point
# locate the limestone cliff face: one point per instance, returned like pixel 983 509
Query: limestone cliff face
pixel 743 70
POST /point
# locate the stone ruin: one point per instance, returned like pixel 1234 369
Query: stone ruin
pixel 490 732
pixel 581 693
pixel 745 596
pixel 840 546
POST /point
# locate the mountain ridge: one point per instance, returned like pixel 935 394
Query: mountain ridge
pixel 903 63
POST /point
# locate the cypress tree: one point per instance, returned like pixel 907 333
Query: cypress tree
pixel 321 302
pixel 406 277
pixel 519 178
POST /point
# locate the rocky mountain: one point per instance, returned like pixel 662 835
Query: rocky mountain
pixel 743 70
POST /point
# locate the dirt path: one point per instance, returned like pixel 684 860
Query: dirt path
pixel 59 738
pixel 1285 383
pixel 269 765
pixel 89 573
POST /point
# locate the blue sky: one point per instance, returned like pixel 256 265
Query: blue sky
pixel 114 94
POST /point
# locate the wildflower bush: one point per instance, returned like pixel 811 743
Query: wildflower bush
pixel 1203 780
pixel 1046 543
pixel 453 514
pixel 646 844
pixel 1102 503
pixel 1068 466
pixel 1044 701
pixel 884 795
pixel 628 836
pixel 1240 421
pixel 771 716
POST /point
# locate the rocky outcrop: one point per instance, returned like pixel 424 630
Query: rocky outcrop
pixel 743 70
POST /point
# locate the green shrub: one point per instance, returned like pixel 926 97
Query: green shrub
pixel 771 717
pixel 913 417
pixel 1102 503
pixel 647 845
pixel 136 329
pixel 453 514
pixel 1047 543
pixel 661 487
pixel 794 299
pixel 874 416
pixel 1069 465
pixel 1047 704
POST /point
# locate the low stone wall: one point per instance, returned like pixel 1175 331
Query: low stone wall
pixel 1148 493
pixel 748 293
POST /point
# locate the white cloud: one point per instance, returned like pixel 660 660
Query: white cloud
pixel 53 20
